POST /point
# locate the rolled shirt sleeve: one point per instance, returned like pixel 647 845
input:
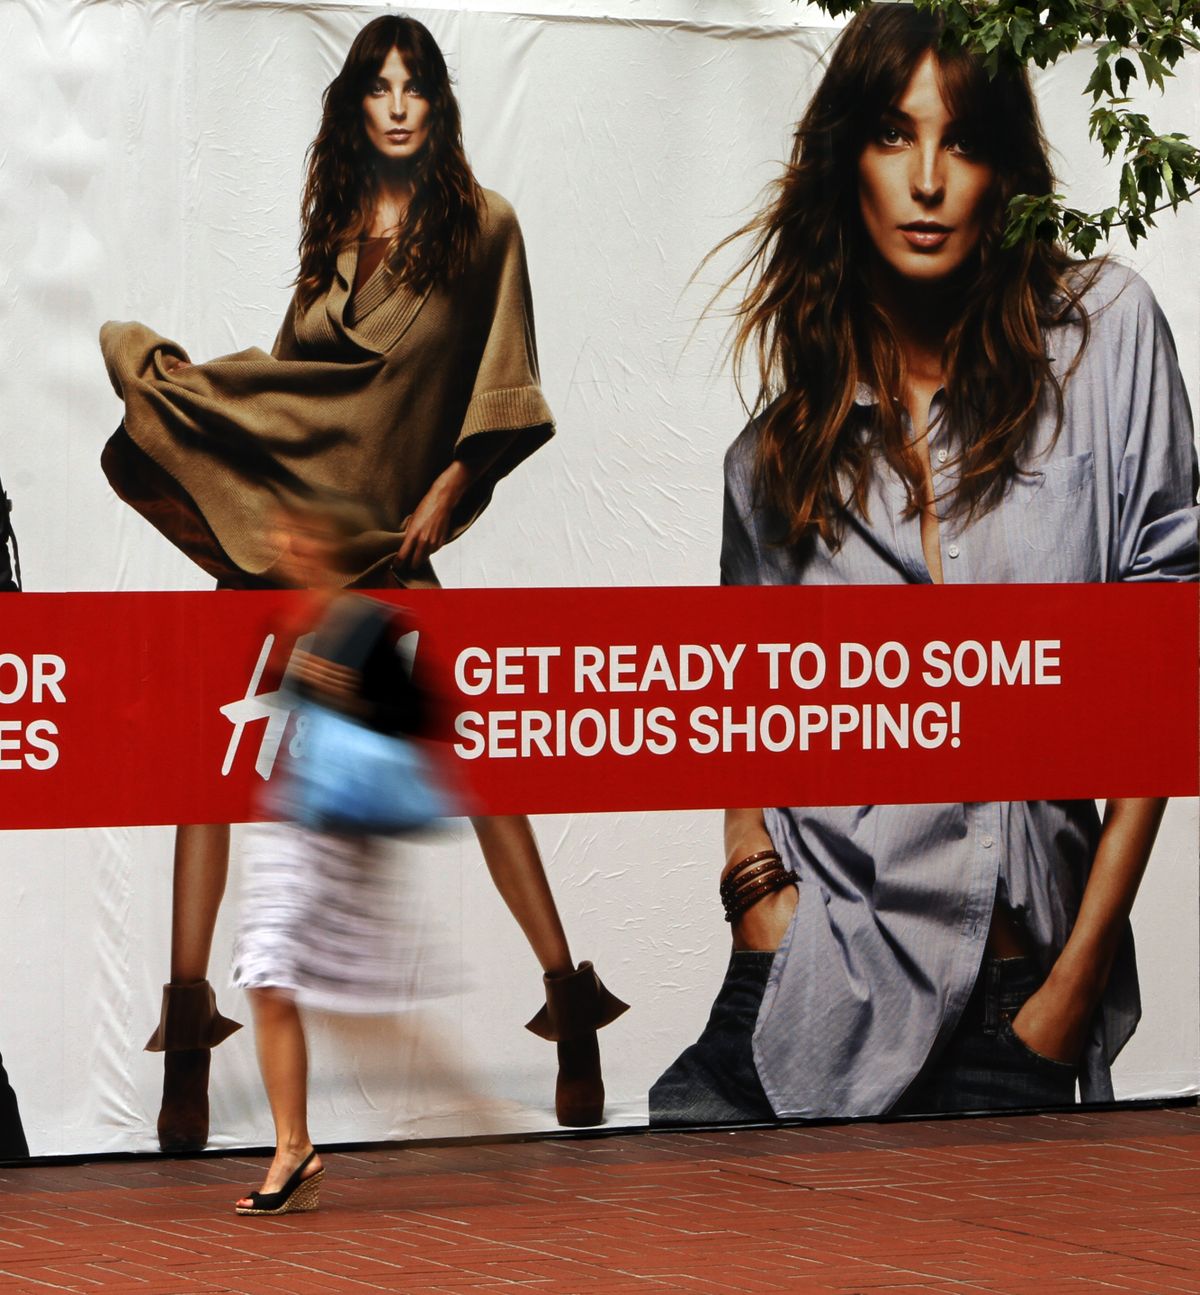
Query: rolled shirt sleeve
pixel 1156 477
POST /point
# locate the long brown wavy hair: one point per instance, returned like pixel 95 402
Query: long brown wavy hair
pixel 816 330
pixel 441 230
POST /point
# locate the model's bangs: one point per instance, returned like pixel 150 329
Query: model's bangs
pixel 416 66
pixel 874 65
pixel 423 59
pixel 974 100
pixel 365 58
pixel 879 98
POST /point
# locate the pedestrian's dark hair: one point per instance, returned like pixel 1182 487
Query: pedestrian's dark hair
pixel 814 327
pixel 442 227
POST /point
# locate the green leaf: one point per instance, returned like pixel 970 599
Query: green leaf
pixel 1106 130
pixel 1100 82
pixel 990 35
pixel 1118 28
pixel 1020 29
pixel 1171 50
pixel 1153 69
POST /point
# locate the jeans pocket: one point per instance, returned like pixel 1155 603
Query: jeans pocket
pixel 1048 1064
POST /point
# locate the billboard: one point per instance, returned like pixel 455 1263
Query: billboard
pixel 904 662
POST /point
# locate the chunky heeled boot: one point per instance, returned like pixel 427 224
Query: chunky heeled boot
pixel 577 1005
pixel 188 1029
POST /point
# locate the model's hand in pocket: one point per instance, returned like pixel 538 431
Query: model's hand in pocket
pixel 763 925
pixel 1053 1024
pixel 1054 1020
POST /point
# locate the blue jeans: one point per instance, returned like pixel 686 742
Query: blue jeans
pixel 983 1066
pixel 715 1080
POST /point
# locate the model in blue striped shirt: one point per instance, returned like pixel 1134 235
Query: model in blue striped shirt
pixel 936 407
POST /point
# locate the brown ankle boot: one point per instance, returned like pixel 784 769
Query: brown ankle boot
pixel 577 1005
pixel 188 1029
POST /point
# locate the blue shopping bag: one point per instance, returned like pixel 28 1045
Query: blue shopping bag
pixel 348 778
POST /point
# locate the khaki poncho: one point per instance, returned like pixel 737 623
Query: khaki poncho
pixel 370 396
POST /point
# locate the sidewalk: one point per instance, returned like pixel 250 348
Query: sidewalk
pixel 1053 1205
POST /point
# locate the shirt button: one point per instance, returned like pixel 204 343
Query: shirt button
pixel 953 550
pixel 942 456
pixel 987 842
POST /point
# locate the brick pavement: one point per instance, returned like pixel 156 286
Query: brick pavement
pixel 1071 1204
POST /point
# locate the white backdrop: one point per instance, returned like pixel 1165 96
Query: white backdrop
pixel 150 164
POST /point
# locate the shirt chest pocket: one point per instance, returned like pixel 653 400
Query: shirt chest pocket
pixel 1054 527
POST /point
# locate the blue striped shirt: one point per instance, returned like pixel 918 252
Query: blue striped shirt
pixel 895 901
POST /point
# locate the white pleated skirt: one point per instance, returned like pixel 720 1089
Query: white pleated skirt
pixel 322 919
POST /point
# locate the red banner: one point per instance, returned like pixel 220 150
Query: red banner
pixel 153 708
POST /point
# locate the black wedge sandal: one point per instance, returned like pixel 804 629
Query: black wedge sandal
pixel 298 1195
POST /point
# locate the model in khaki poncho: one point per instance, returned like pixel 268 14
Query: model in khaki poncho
pixel 405 375
pixel 371 393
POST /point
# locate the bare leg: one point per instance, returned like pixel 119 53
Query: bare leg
pixel 511 854
pixel 201 866
pixel 283 1061
pixel 576 1002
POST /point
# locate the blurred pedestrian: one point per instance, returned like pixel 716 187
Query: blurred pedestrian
pixel 319 925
